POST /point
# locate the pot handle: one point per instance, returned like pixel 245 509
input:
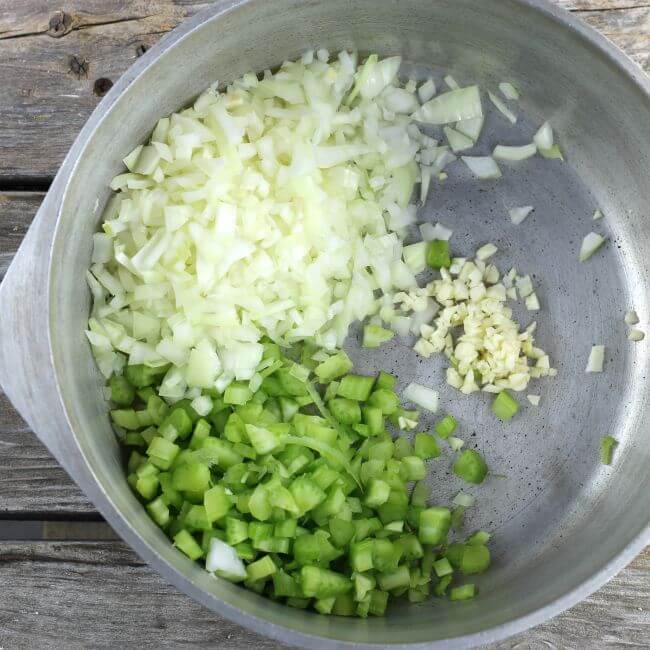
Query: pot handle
pixel 26 371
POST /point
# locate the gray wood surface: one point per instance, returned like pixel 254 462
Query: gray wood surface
pixel 76 594
pixel 99 594
pixel 52 54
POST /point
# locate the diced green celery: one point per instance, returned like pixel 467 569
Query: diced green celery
pixel 259 504
pixel 434 525
pixel 162 453
pixel 418 595
pixel 344 605
pixel 235 429
pixel 470 466
pixel 420 494
pixel 159 511
pixel 122 392
pixel 446 426
pixel 298 603
pixel 237 393
pixel 274 545
pixel 157 409
pixel 141 376
pixel 324 605
pixel 409 547
pixel 217 503
pixel 385 400
pixel 374 419
pixel 402 448
pixel 145 393
pixel 314 549
pixel 361 555
pixel 346 411
pixel 126 418
pixel 266 440
pixel 475 559
pixel 217 451
pixel 285 584
pixel 363 584
pixel 341 531
pixel 505 406
pixel 147 486
pixel 414 467
pixel 438 254
pixel 331 506
pixel 356 387
pixel 378 602
pixel 288 408
pixel 441 588
pixel 479 537
pixel 395 509
pixel 442 567
pixel 371 469
pixel 144 418
pixel 286 528
pixel 377 492
pixel 385 555
pixel 261 569
pixel 236 531
pixel 191 477
pixel 324 476
pixel 317 582
pixel 245 551
pixel 333 368
pixel 177 424
pixel 374 336
pixel 394 579
pixel 184 541
pixel 307 493
pixel 196 518
pixel 426 446
pixel 201 432
pixel 149 434
pixel 169 494
pixel 607 446
pixel 132 439
pixel 463 592
pixel 385 380
pixel 381 449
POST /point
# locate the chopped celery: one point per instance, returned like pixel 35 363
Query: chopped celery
pixel 438 254
pixel 346 411
pixel 374 336
pixel 261 569
pixel 426 446
pixel 470 466
pixel 336 366
pixel 446 426
pixel 607 446
pixel 435 523
pixel 505 406
pixel 356 387
pixel 475 559
pixel 385 400
pixel 122 392
pixel 322 583
pixel 184 541
pixel 464 592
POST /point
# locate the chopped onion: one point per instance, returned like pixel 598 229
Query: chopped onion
pixel 544 137
pixel 532 302
pixel 503 109
pixel 401 325
pixel 430 232
pixel 452 106
pixel 415 256
pixel 457 141
pixel 524 285
pixel 486 251
pixel 451 82
pixel 223 560
pixel 636 335
pixel 455 443
pixel 508 90
pixel 631 317
pixel 598 215
pixel 517 215
pixel 427 90
pixel 422 396
pixel 423 317
pixel 463 499
pixel 483 167
pixel 533 399
pixel 590 244
pixel 596 359
pixel 425 182
pixel 471 128
pixel 514 154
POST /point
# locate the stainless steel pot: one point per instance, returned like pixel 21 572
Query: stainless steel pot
pixel 563 524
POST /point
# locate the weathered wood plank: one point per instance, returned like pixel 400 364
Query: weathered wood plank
pixel 51 59
pixel 31 481
pixel 103 579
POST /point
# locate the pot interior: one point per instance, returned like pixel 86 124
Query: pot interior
pixel 558 517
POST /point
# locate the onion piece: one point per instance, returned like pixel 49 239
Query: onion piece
pixel 427 91
pixel 223 560
pixel 532 302
pixel 422 396
pixel 457 141
pixel 415 256
pixel 533 399
pixel 590 244
pixel 456 444
pixel 471 128
pixel 514 154
pixel 508 90
pixel 463 499
pixel 631 317
pixel 598 215
pixel 596 359
pixel 425 182
pixel 486 251
pixel 430 232
pixel 482 167
pixel 635 335
pixel 517 215
pixel 502 108
pixel 452 106
pixel 451 82
pixel 544 136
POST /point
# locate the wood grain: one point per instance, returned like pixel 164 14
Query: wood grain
pixel 31 482
pixel 52 54
pixel 112 595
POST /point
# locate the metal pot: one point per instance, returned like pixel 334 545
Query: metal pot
pixel 563 524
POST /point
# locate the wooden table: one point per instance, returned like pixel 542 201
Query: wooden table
pixel 65 580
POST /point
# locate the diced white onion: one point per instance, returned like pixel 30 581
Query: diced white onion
pixel 463 499
pixel 422 396
pixel 222 559
pixel 596 359
pixel 544 137
pixel 590 244
pixel 517 215
pixel 631 317
pixel 508 90
pixel 533 399
pixel 427 90
pixel 486 251
pixel 452 84
pixel 455 443
pixel 532 302
pixel 415 256
pixel 457 141
pixel 635 335
pixel 431 231
pixel 452 106
pixel 502 108
pixel 514 154
pixel 471 127
pixel 598 215
pixel 202 405
pixel 483 167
